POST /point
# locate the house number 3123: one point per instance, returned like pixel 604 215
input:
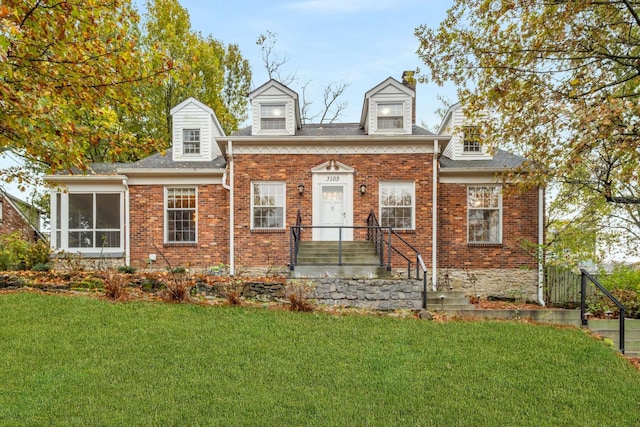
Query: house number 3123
pixel 333 178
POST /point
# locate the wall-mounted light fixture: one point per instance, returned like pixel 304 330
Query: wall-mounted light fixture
pixel 300 188
pixel 363 189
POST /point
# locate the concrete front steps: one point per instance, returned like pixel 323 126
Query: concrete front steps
pixel 611 329
pixel 456 304
pixel 321 259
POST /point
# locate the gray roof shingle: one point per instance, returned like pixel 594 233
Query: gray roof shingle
pixel 501 160
pixel 331 129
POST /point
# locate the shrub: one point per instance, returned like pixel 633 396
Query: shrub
pixel 298 294
pixel 233 289
pixel 622 277
pixel 116 286
pixel 599 304
pixel 177 288
pixel 41 267
pixel 127 269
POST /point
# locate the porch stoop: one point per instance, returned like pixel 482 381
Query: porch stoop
pixel 611 329
pixel 321 259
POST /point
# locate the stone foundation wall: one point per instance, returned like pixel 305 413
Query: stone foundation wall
pixel 489 282
pixel 374 294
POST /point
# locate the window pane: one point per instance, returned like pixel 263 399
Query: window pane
pixel 275 123
pixel 80 211
pixel 191 141
pixel 396 204
pixel 268 205
pixel 107 211
pixel 484 214
pixel 181 215
pixel 108 239
pixel 390 116
pixel 81 239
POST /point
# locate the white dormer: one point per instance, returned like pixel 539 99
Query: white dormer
pixel 195 129
pixel 465 136
pixel 388 109
pixel 275 110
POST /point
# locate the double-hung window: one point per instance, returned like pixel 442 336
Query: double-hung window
pixel 272 116
pixel 267 205
pixel 93 220
pixel 181 214
pixel 390 115
pixel 471 142
pixel 397 205
pixel 191 141
pixel 484 205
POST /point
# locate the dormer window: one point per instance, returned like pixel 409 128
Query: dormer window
pixel 471 142
pixel 191 141
pixel 272 117
pixel 390 116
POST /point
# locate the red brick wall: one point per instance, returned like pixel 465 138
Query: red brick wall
pixel 147 228
pixel 12 221
pixel 519 224
pixel 259 248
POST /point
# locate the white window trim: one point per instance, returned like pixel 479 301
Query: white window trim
pixel 284 116
pixel 62 244
pixel 166 216
pixel 500 213
pixel 185 143
pixel 413 201
pixel 284 206
pixel 379 105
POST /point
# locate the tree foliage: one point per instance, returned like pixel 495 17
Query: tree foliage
pixel 562 77
pixel 203 67
pixel 67 70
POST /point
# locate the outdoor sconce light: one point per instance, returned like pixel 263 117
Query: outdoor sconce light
pixel 363 189
pixel 300 188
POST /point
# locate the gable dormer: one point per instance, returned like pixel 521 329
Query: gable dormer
pixel 275 110
pixel 465 135
pixel 195 129
pixel 388 109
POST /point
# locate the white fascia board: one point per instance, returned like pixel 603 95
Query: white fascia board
pixel 172 172
pixel 339 140
pixel 175 180
pixel 81 179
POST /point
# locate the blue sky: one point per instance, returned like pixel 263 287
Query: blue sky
pixel 361 42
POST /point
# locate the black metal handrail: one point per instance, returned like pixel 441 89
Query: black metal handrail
pixel 294 241
pixel 583 303
pixel 375 234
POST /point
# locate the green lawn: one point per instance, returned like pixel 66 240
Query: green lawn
pixel 81 361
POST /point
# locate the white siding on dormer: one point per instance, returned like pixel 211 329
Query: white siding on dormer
pixel 388 92
pixel 273 95
pixel 454 127
pixel 192 116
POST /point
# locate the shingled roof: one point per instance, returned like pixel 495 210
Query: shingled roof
pixel 332 129
pixel 501 160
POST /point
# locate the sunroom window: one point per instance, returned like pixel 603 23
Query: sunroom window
pixel 93 220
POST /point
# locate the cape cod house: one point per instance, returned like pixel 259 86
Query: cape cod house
pixel 265 195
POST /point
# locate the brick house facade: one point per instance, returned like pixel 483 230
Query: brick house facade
pixel 19 216
pixel 234 199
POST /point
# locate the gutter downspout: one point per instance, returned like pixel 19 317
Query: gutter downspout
pixel 434 218
pixel 541 201
pixel 127 236
pixel 231 206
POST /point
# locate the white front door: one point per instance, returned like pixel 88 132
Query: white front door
pixel 332 213
pixel 332 202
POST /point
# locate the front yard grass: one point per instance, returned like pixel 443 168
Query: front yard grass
pixel 86 361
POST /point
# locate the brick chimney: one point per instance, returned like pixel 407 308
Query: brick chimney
pixel 409 80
